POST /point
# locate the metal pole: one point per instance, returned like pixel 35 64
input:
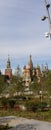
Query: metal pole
pixel 49 19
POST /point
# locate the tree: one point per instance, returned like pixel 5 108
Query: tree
pixel 34 86
pixel 2 83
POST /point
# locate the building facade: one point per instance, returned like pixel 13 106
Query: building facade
pixel 29 72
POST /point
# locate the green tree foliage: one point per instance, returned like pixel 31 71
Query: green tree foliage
pixel 32 105
pixel 35 86
pixel 12 103
pixel 48 82
pixel 43 106
pixel 16 84
pixel 2 83
pixel 4 101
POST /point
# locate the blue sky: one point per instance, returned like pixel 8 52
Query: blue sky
pixel 22 33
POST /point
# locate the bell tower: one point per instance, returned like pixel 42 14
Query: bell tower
pixel 8 70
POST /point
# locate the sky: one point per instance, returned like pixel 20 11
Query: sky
pixel 23 33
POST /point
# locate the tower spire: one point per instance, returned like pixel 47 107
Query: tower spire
pixel 8 70
pixel 30 62
pixel 8 62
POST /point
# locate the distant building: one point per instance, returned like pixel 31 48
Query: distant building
pixel 8 70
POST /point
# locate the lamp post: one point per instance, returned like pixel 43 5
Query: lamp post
pixel 47 34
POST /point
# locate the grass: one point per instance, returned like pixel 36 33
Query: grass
pixel 45 116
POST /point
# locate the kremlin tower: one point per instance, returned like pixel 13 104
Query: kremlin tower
pixel 8 70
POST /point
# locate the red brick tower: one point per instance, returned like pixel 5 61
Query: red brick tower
pixel 8 70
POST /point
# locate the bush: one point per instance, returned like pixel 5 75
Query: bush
pixel 4 101
pixel 43 106
pixel 12 103
pixel 31 105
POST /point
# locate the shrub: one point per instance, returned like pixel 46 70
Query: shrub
pixel 12 103
pixel 43 106
pixel 4 101
pixel 31 105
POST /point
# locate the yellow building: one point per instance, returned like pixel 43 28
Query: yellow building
pixel 29 72
pixel 26 75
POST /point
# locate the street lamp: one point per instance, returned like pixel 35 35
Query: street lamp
pixel 47 34
pixel 40 92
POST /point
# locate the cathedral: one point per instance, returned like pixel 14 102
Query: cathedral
pixel 29 72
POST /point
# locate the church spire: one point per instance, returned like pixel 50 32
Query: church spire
pixel 8 63
pixel 30 62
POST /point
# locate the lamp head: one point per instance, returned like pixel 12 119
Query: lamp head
pixel 43 18
pixel 47 6
pixel 47 34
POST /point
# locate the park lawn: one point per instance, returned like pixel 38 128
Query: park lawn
pixel 45 116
